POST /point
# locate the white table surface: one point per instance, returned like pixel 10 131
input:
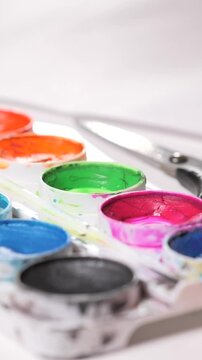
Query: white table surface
pixel 135 59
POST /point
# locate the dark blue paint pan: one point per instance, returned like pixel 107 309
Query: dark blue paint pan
pixel 183 251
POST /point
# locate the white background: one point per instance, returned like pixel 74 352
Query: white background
pixel 136 59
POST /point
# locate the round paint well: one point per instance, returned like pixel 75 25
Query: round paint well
pixel 24 239
pixel 182 250
pixel 188 243
pixel 40 149
pixel 93 177
pixel 68 299
pixel 143 218
pixel 5 207
pixel 12 123
pixel 77 276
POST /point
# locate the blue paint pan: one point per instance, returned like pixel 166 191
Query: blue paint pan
pixel 5 207
pixel 183 251
pixel 22 241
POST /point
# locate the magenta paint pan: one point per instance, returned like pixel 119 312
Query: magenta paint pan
pixel 142 219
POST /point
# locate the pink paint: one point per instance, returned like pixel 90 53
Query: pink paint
pixel 103 196
pixel 143 218
pixel 147 220
pixel 145 237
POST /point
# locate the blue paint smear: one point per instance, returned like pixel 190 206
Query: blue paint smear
pixel 188 243
pixel 31 237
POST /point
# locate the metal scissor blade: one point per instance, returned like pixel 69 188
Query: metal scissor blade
pixel 129 140
pixel 186 169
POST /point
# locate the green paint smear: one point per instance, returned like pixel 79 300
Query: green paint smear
pixel 90 190
pixel 94 177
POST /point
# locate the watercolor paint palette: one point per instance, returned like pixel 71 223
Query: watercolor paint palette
pixel 164 300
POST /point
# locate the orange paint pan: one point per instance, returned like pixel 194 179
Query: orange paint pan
pixel 46 149
pixel 23 158
pixel 13 123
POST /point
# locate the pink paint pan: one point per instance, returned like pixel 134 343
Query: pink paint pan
pixel 142 219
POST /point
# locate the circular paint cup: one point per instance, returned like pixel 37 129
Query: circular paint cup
pixel 13 123
pixel 182 251
pixel 73 302
pixel 78 188
pixel 24 158
pixel 5 207
pixel 142 219
pixel 23 241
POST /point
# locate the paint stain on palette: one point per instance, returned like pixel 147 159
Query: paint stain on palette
pixel 4 165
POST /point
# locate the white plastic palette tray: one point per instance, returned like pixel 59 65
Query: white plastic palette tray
pixel 186 317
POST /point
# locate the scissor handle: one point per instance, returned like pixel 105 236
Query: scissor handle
pixel 187 170
pixel 191 180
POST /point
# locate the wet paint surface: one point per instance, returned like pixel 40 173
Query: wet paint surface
pixel 39 148
pixel 142 219
pixel 12 123
pixel 93 177
pixel 174 209
pixel 77 276
pixel 30 237
pixel 188 243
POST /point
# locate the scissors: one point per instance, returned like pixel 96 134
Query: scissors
pixel 186 169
